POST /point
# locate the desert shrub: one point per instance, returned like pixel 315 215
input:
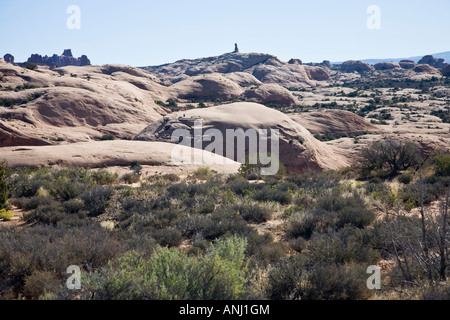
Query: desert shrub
pixel 296 279
pixel 107 137
pixel 441 161
pixel 130 178
pixel 6 215
pixel 252 165
pixel 263 250
pixel 97 199
pixel 30 65
pixel 21 185
pixel 203 173
pixel 170 274
pixel 39 283
pixel 46 214
pixel 254 213
pixel 441 293
pixel 349 209
pixel 298 244
pixel 52 249
pixel 221 223
pixel 315 180
pixel 32 203
pixel 266 194
pixel 168 237
pixel 405 178
pixel 347 245
pixel 243 187
pixel 359 217
pixel 170 177
pixel 103 177
pixel 304 224
pixel 73 205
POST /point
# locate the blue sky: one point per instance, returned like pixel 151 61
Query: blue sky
pixel 141 33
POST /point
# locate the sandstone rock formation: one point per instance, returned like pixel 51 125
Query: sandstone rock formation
pixel 317 73
pixel 430 60
pixel 9 58
pixel 333 122
pixel 446 71
pixel 386 66
pixel 356 66
pixel 100 154
pixel 425 68
pixel 295 61
pixel 270 93
pixel 299 150
pixel 55 61
pixel 407 64
pixel 76 104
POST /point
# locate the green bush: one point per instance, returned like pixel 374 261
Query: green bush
pixel 296 279
pixel 108 137
pixel 169 274
pixel 6 215
pixel 266 194
pixel 130 178
pixel 254 213
pixel 405 178
pixel 97 199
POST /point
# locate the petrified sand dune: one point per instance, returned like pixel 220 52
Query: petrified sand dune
pixel 99 154
pixel 334 122
pixel 299 150
pixel 77 103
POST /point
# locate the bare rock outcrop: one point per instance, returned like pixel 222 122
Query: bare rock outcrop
pixel 425 68
pixel 356 66
pixel 55 61
pixel 407 64
pixel 446 71
pixel 430 60
pixel 299 150
pixel 270 93
pixel 386 66
pixel 317 73
pixel 9 58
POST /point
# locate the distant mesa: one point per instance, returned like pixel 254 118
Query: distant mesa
pixel 8 58
pixel 56 61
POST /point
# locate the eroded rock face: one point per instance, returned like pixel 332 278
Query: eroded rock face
pixel 271 93
pixel 424 68
pixel 430 60
pixel 356 66
pixel 55 61
pixel 317 73
pixel 295 61
pixel 446 71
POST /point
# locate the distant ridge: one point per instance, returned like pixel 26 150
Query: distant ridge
pixel 441 55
